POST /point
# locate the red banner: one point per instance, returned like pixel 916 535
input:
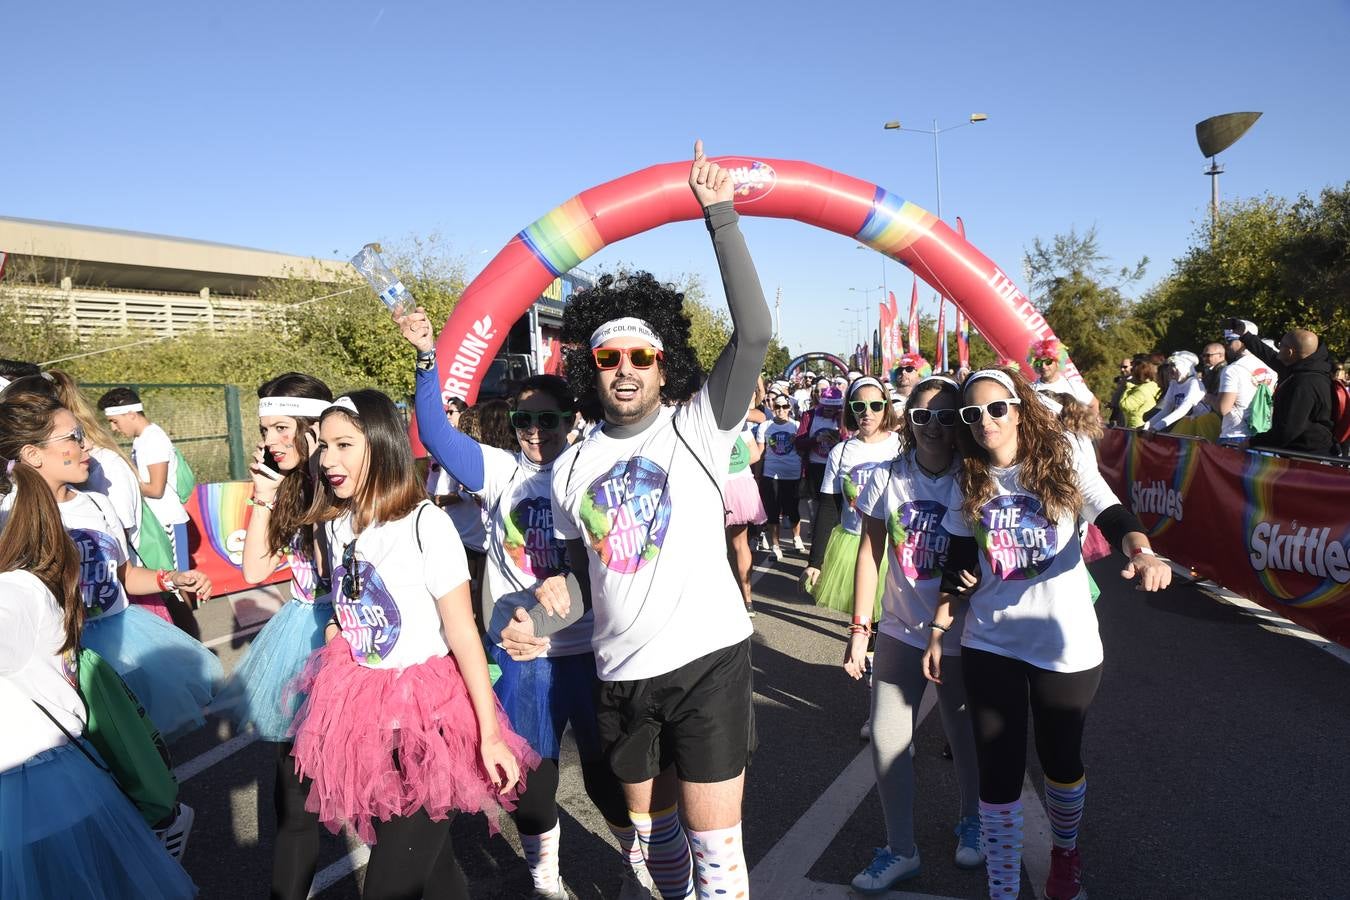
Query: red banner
pixel 887 322
pixel 914 319
pixel 219 514
pixel 942 335
pixel 1276 531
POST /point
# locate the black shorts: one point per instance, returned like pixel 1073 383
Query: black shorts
pixel 699 718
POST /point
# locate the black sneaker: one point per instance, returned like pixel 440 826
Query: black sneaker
pixel 174 836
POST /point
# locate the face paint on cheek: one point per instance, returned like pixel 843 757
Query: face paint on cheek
pixel 66 458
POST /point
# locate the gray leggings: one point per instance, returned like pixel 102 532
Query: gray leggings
pixel 897 688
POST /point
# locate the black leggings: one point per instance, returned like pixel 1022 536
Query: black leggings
pixel 997 691
pixel 780 499
pixel 296 852
pixel 537 809
pixel 412 858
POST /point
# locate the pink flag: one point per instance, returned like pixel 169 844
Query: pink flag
pixel 942 335
pixel 914 318
pixel 884 338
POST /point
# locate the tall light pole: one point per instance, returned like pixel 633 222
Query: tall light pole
pixel 975 118
pixel 867 304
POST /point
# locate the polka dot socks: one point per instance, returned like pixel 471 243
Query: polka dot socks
pixel 1001 828
pixel 719 861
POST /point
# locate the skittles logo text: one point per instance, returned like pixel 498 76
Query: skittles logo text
pixel 370 623
pixel 921 543
pixel 626 512
pixel 1158 498
pixel 751 179
pixel 529 539
pixel 1290 547
pixel 98 569
pixel 1019 542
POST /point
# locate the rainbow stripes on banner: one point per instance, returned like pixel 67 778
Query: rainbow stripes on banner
pixel 563 237
pixel 1260 484
pixel 894 223
pixel 1137 467
pixel 224 511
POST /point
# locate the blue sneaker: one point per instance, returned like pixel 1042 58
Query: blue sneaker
pixel 886 869
pixel 969 851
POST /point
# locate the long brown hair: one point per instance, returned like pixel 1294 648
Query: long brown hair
pixel 1078 418
pixel 390 489
pixel 1043 452
pixel 295 495
pixel 33 539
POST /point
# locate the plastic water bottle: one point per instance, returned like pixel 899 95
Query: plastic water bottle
pixel 387 285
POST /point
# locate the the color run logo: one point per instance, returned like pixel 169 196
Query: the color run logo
pixel 370 623
pixel 1295 548
pixel 98 569
pixel 529 540
pixel 626 512
pixel 469 355
pixel 780 443
pixel 1019 542
pixel 751 179
pixel 1156 497
pixel 921 543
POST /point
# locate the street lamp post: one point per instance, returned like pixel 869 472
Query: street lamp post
pixel 974 119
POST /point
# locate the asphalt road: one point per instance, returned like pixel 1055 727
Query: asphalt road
pixel 1216 752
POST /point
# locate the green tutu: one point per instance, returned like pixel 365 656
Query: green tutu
pixel 834 588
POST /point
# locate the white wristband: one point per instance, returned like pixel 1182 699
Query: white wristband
pixel 1142 551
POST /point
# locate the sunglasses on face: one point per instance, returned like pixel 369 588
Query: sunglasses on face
pixel 607 358
pixel 906 370
pixel 782 406
pixel 351 575
pixel 1039 363
pixel 945 417
pixel 77 436
pixel 998 409
pixel 521 420
pixel 861 406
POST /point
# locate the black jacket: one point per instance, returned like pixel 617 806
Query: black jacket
pixel 1302 417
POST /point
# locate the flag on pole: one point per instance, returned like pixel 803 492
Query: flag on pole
pixel 942 335
pixel 884 354
pixel 962 323
pixel 914 318
pixel 874 362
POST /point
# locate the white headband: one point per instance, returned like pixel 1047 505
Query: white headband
pixel 992 375
pixel 344 403
pixel 292 406
pixel 627 327
pixel 866 381
pixel 4 382
pixel 118 410
pixel 941 379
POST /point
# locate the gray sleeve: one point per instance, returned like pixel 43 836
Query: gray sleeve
pixel 578 588
pixel 731 383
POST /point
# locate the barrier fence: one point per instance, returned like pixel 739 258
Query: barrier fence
pixel 1274 530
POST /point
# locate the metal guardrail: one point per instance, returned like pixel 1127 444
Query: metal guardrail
pixel 1338 461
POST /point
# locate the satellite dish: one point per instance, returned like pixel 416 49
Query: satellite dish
pixel 1217 133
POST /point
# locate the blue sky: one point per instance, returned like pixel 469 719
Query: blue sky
pixel 311 128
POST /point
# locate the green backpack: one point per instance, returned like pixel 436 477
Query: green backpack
pixel 1261 409
pixel 185 481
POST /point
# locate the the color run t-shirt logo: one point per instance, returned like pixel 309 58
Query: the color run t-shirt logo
pixel 98 569
pixel 780 443
pixel 1019 542
pixel 626 512
pixel 824 440
pixel 921 543
pixel 529 539
pixel 370 623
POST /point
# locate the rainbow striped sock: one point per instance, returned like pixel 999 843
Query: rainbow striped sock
pixel 719 857
pixel 1001 827
pixel 1064 806
pixel 629 846
pixel 666 850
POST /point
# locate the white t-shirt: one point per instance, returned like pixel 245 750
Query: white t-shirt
pixel 652 518
pixel 110 475
pixel 150 447
pixel 848 469
pixel 913 504
pixel 1241 377
pixel 824 434
pixel 802 397
pixel 1062 385
pixel 91 523
pixel 781 459
pixel 468 515
pixel 523 546
pixel 1177 401
pixel 405 566
pixel 32 630
pixel 1033 602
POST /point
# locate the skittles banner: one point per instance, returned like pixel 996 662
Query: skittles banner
pixel 219 514
pixel 1276 531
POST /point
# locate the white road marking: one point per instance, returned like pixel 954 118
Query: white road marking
pixel 225 639
pixel 218 753
pixel 331 874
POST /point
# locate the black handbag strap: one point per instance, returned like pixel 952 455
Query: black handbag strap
pixel 79 744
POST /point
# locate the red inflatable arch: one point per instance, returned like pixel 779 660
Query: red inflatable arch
pixel 775 188
pixel 807 357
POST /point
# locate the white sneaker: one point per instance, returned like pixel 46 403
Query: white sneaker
pixel 885 870
pixel 777 552
pixel 865 733
pixel 763 541
pixel 558 893
pixel 797 544
pixel 174 836
pixel 969 847
pixel 637 884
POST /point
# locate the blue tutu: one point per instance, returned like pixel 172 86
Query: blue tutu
pixel 170 672
pixel 66 830
pixel 542 695
pixel 256 692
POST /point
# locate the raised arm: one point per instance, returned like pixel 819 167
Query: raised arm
pixel 460 454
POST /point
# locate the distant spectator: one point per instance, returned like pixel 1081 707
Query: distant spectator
pixel 1141 394
pixel 156 465
pixel 1302 416
pixel 1122 380
pixel 1183 393
pixel 13 369
pixel 910 369
pixel 489 423
pixel 1213 358
pixel 1045 358
pixel 1242 378
pixel 1340 373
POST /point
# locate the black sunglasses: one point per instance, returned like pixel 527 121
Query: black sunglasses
pixel 861 406
pixel 547 420
pixel 782 406
pixel 907 369
pixel 920 416
pixel 998 409
pixel 351 574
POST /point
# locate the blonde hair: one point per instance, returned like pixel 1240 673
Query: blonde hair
pixel 95 431
pixel 1078 418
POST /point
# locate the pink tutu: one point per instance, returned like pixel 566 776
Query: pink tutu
pixel 380 743
pixel 153 603
pixel 743 502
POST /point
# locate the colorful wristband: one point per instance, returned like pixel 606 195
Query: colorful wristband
pixel 1142 551
pixel 261 504
pixel 162 579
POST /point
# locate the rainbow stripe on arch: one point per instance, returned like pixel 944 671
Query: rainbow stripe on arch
pixel 1260 485
pixel 894 223
pixel 563 237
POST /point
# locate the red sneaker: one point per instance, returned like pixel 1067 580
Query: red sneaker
pixel 1066 875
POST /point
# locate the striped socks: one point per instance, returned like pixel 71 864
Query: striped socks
pixel 629 847
pixel 1001 827
pixel 1064 806
pixel 719 857
pixel 541 855
pixel 666 850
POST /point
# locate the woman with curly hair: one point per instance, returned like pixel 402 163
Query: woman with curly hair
pixel 1030 634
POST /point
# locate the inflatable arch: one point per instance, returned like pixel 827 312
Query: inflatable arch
pixel 775 188
pixel 807 357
